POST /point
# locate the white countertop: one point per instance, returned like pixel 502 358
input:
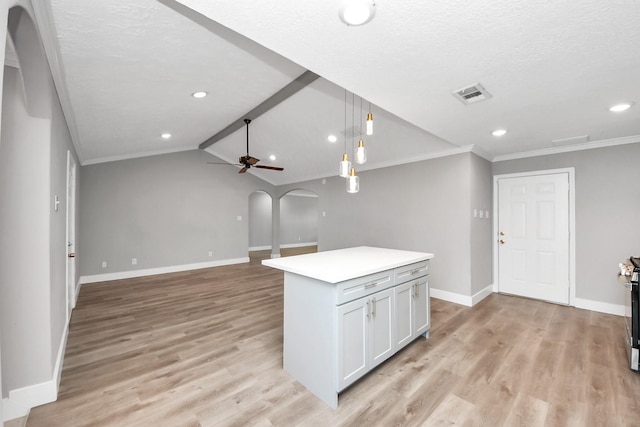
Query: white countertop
pixel 345 264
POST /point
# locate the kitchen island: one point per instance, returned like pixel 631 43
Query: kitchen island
pixel 348 310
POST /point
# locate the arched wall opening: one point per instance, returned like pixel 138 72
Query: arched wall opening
pixel 25 186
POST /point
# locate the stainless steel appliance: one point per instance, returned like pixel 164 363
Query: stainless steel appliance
pixel 632 314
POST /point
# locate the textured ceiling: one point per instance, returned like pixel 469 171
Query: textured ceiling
pixel 553 69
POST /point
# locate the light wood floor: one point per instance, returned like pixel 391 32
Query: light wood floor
pixel 204 348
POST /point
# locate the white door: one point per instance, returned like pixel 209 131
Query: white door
pixel 71 233
pixel 533 236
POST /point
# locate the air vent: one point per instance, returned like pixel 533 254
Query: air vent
pixel 471 94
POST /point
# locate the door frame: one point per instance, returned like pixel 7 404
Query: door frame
pixel 70 235
pixel 572 225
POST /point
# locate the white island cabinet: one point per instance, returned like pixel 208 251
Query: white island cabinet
pixel 348 310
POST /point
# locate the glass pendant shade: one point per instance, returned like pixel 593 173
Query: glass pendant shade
pixel 353 182
pixel 369 124
pixel 345 166
pixel 361 153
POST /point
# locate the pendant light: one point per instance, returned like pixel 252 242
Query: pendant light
pixel 353 182
pixel 369 122
pixel 360 154
pixel 345 164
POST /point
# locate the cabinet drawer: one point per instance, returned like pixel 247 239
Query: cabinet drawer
pixel 411 271
pixel 363 286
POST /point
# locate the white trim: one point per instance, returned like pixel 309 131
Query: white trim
pixel 572 224
pixel 601 307
pixel 287 246
pixel 94 278
pixel 21 400
pixel 569 148
pixel 465 300
pixel 135 155
pixel 450 297
pixel 482 294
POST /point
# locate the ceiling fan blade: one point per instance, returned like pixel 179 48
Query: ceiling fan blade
pixel 221 163
pixel 252 160
pixel 243 170
pixel 273 168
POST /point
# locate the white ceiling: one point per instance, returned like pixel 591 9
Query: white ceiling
pixel 553 69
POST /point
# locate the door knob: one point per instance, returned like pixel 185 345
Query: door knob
pixel 502 233
pixel 72 255
pixel 501 242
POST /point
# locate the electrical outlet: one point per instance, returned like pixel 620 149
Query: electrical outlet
pixel 239 217
pixel 486 214
pixel 475 213
pixel 210 253
pixel 104 264
pixel 134 261
pixel 324 213
pixel 481 214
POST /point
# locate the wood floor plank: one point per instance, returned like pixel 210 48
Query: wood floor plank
pixel 204 348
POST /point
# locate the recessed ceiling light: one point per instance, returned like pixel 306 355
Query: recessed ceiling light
pixel 621 107
pixel 356 12
pixel 272 157
pixel 199 94
pixel 166 135
pixel 498 132
pixel 332 138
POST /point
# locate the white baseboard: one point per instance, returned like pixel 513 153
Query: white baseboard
pixel 465 300
pixel 287 246
pixel 479 296
pixel 158 270
pixel 601 307
pixel 20 401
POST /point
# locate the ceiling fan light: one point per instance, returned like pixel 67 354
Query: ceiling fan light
pixel 356 12
pixel 345 166
pixel 353 182
pixel 361 153
pixel 369 124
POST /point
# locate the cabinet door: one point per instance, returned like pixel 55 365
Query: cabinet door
pixel 421 306
pixel 381 321
pixel 352 341
pixel 404 314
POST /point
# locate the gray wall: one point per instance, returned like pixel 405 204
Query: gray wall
pixel 607 211
pixel 423 206
pixel 298 219
pixel 164 210
pixel 259 220
pixel 33 149
pixel 481 228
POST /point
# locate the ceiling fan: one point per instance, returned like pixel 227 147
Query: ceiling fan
pixel 248 161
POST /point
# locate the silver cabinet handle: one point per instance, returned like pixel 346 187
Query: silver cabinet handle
pixel 416 271
pixel 371 285
pixel 373 305
pixel 368 309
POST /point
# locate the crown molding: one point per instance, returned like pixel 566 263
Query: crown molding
pixel 569 148
pixel 43 16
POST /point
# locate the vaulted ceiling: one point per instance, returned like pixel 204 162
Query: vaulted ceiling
pixel 127 68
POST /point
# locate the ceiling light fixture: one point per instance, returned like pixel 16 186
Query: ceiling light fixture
pixel 332 138
pixel 272 157
pixel 166 135
pixel 361 152
pixel 369 122
pixel 498 132
pixel 618 108
pixel 356 12
pixel 345 164
pixel 199 94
